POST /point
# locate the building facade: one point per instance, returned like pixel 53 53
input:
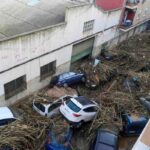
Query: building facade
pixel 30 58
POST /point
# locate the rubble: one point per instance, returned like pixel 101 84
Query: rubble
pixel 129 58
pixel 57 92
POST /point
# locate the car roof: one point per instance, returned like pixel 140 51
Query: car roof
pixel 66 74
pixel 5 113
pixel 48 104
pixel 84 101
pixel 107 138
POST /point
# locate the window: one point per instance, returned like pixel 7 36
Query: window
pixel 40 107
pixel 91 109
pixel 54 106
pixel 73 106
pixel 48 70
pixel 88 26
pixel 14 87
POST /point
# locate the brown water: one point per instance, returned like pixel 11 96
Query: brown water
pixel 126 143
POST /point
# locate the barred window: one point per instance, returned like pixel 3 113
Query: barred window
pixel 14 87
pixel 48 70
pixel 88 26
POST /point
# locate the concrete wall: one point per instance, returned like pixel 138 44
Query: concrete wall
pixel 32 72
pixel 26 54
pixel 143 12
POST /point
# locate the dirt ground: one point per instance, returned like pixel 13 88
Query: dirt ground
pixel 129 58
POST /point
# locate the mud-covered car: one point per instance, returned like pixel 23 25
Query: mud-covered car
pixel 105 140
pixel 67 79
pixel 46 107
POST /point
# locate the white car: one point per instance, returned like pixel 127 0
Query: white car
pixel 48 109
pixel 79 109
pixel 6 116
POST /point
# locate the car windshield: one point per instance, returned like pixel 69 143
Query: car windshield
pixel 73 106
pixel 66 75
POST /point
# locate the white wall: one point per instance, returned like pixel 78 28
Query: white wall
pixel 36 49
pixel 22 49
pixel 32 68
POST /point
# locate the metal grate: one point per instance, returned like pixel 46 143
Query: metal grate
pixel 88 26
pixel 14 87
pixel 48 70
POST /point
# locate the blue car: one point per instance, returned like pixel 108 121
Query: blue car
pixel 105 140
pixel 66 79
pixel 133 125
pixel 53 144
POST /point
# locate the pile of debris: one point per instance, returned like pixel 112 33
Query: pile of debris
pixel 57 92
pixel 30 131
pixel 119 81
pixel 97 74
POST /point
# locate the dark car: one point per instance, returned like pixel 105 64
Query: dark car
pixel 61 143
pixel 133 124
pixel 105 140
pixel 145 100
pixel 66 79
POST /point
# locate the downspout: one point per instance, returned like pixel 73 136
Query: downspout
pixel 122 13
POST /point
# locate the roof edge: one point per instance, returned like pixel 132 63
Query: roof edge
pixel 33 31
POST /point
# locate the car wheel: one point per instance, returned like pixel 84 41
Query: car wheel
pixel 65 85
pixel 83 79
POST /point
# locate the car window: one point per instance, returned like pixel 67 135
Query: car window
pixel 40 106
pixel 73 106
pixel 66 98
pixel 6 121
pixel 90 109
pixel 54 106
pixel 71 73
pixel 65 75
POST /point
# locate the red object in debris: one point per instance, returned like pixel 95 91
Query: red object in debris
pixel 109 5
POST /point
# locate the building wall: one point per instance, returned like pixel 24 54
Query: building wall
pixel 25 55
pixel 143 12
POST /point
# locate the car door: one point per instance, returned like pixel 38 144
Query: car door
pixel 71 78
pixel 77 77
pixel 89 112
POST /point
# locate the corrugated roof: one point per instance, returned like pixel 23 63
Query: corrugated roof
pixel 109 5
pixel 21 16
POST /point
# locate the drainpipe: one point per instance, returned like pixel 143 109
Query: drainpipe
pixel 122 13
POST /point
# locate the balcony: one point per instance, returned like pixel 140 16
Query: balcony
pixel 127 19
pixel 125 28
